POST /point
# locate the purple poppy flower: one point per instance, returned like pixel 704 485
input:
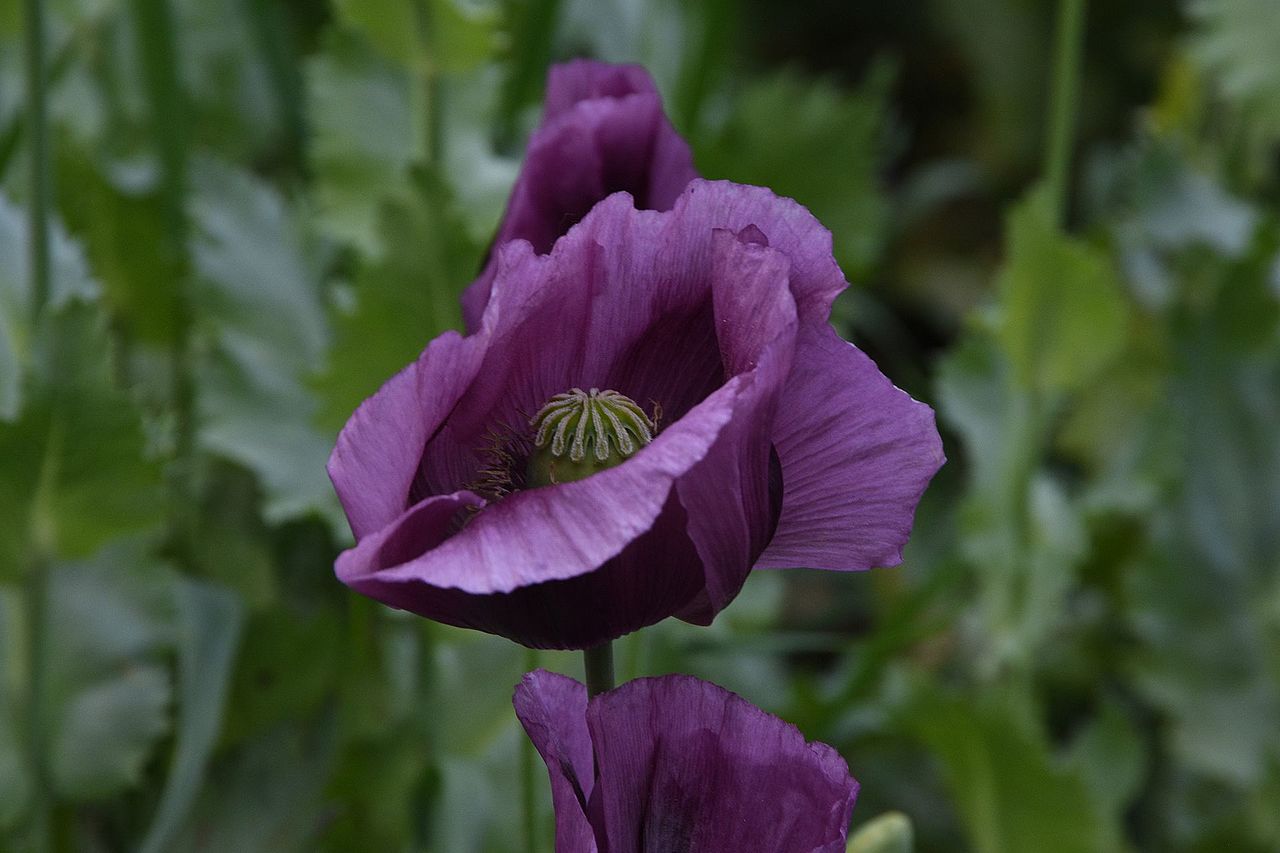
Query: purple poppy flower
pixel 679 765
pixel 488 488
pixel 603 131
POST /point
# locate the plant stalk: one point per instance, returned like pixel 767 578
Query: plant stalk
pixel 1063 102
pixel 598 665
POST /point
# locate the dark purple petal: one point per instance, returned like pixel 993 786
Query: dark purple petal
pixel 687 766
pixel 587 79
pixel 816 280
pixel 376 457
pixel 731 516
pixel 603 131
pixel 553 710
pixel 856 453
pixel 499 572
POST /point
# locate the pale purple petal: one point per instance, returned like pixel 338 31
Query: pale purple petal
pixel 687 766
pixel 374 462
pixel 553 710
pixel 856 453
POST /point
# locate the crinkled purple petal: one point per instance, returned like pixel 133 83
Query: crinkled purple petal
pixel 856 454
pixel 727 495
pixel 623 301
pixel 603 131
pixel 553 710
pixel 687 766
pixel 787 226
pixel 374 462
pixel 577 80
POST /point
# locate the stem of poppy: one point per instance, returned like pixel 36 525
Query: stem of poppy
pixel 598 665
pixel 37 829
pixel 1063 97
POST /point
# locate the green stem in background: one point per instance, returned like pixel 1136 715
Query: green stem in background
pixel 159 59
pixel 431 88
pixel 41 185
pixel 597 663
pixel 1063 102
pixel 37 579
pixel 534 27
pixel 528 776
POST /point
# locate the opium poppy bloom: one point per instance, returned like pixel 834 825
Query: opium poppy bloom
pixel 679 765
pixel 643 415
pixel 603 131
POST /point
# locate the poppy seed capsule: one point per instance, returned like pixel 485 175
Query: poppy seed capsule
pixel 578 434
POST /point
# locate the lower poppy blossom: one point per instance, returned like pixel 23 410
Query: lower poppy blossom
pixel 645 413
pixel 679 765
pixel 603 131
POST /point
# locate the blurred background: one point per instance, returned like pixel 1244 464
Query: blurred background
pixel 257 211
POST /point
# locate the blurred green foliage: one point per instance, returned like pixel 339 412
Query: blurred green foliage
pixel 263 209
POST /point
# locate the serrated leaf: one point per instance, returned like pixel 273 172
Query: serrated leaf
pixel 107 689
pixel 822 146
pixel 260 296
pixel 363 140
pixel 1064 313
pixel 69 279
pixel 402 301
pixel 451 35
pixel 107 731
pixel 1238 41
pixel 77 470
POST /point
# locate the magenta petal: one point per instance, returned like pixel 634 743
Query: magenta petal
pixel 553 710
pixel 686 765
pixel 376 458
pixel 603 131
pixel 856 453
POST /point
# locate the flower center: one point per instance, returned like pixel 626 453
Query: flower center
pixel 578 434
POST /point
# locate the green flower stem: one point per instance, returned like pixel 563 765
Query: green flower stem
pixel 159 61
pixel 37 578
pixel 1063 101
pixel 598 666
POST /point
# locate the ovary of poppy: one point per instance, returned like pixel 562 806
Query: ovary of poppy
pixel 678 765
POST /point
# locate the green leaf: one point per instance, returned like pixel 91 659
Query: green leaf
pixel 260 295
pixel 362 138
pixel 1010 793
pixel 1064 314
pixel 76 465
pixel 460 35
pixel 69 279
pixel 266 796
pixel 108 689
pixel 1238 41
pixel 209 622
pixel 1110 756
pixel 824 147
pixel 402 301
